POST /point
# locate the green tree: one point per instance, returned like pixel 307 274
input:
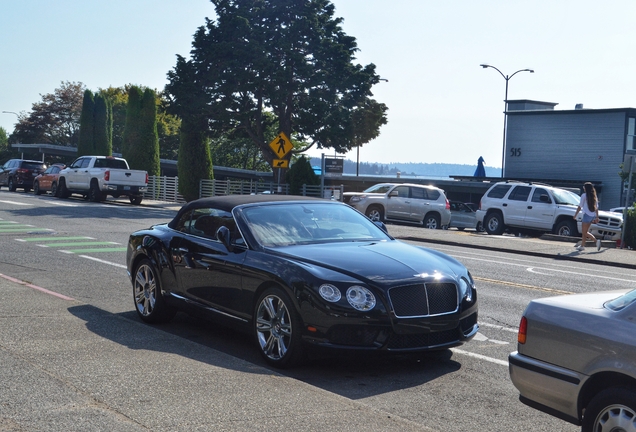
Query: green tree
pixel 4 140
pixel 103 126
pixel 301 173
pixel 132 129
pixel 53 120
pixel 290 58
pixel 86 144
pixel 143 153
pixel 194 162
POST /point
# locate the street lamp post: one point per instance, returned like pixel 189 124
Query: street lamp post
pixel 507 78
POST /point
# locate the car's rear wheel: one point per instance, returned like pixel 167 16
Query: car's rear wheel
pixel 36 188
pixel 480 227
pixel 613 409
pixel 94 194
pixel 432 221
pixel 494 224
pixel 11 185
pixel 149 302
pixel 277 328
pixel 566 228
pixel 375 213
pixel 136 200
pixel 54 189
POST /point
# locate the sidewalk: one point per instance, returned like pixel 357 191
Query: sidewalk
pixel 548 245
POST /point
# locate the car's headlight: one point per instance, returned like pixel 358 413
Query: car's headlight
pixel 360 298
pixel 467 288
pixel 355 199
pixel 329 293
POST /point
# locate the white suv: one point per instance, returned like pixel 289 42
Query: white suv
pixel 403 202
pixel 539 207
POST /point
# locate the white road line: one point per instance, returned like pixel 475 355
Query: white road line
pixel 102 261
pixel 480 357
pixel 499 327
pixel 15 203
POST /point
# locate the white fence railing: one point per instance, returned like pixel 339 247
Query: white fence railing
pixel 162 188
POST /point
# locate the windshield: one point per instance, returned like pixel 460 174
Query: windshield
pixel 289 224
pixel 564 197
pixel 379 188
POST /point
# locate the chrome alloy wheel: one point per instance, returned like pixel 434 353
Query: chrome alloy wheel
pixel 273 327
pixel 145 290
pixel 616 418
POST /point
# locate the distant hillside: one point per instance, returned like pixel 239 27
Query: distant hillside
pixel 413 169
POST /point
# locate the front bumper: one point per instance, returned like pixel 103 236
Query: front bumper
pixel 546 387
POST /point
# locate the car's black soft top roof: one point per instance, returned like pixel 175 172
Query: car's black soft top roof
pixel 228 202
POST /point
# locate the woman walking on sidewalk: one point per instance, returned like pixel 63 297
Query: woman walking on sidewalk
pixel 589 205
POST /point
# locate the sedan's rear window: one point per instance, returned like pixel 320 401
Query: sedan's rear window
pixel 622 301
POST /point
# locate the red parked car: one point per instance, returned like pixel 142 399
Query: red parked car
pixel 47 181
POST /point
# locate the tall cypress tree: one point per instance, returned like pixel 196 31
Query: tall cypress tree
pixel 144 153
pixel 132 129
pixel 103 144
pixel 85 145
pixel 194 162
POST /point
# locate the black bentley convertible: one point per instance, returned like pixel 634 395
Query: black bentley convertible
pixel 298 272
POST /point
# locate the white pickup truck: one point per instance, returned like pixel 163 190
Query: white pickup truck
pixel 95 177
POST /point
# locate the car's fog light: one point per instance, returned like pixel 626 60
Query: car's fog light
pixel 329 293
pixel 360 298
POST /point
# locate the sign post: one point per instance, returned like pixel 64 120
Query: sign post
pixel 281 145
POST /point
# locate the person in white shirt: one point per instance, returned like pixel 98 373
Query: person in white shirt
pixel 589 206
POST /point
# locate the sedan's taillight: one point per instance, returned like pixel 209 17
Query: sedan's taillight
pixel 523 330
pixel 22 171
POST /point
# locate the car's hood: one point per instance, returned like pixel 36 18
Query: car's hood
pixel 383 262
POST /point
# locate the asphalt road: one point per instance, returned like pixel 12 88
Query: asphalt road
pixel 75 357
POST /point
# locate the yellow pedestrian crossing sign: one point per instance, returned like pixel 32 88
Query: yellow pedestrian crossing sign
pixel 281 145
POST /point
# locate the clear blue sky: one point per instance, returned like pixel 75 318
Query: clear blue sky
pixel 443 107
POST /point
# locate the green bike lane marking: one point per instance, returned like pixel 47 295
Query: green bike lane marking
pixel 53 239
pixel 25 228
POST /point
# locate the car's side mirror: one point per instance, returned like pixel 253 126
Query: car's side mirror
pixel 224 235
pixel 381 225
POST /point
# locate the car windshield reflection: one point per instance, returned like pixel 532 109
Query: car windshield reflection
pixel 291 224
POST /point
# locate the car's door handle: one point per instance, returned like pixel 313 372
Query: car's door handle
pixel 529 207
pixel 505 205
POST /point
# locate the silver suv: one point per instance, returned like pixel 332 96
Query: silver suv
pixel 403 202
pixel 540 207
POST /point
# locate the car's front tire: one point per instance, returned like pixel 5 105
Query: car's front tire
pixel 54 191
pixel 277 329
pixel 11 186
pixel 566 228
pixel 375 213
pixel 36 188
pixel 149 302
pixel 613 409
pixel 494 224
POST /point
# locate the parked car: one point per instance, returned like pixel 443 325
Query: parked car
pixel 464 215
pixel 421 204
pixel 47 181
pixel 19 173
pixel 576 359
pixel 299 272
pixel 517 206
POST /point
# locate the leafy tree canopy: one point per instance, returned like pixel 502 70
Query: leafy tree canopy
pixel 53 120
pixel 290 58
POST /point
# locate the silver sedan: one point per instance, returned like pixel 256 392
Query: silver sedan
pixel 576 359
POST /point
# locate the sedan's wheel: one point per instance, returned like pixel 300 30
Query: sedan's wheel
pixel 36 188
pixel 149 302
pixel 432 221
pixel 54 190
pixel 566 228
pixel 612 410
pixel 11 185
pixel 63 192
pixel 480 227
pixel 375 213
pixel 494 224
pixel 277 329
